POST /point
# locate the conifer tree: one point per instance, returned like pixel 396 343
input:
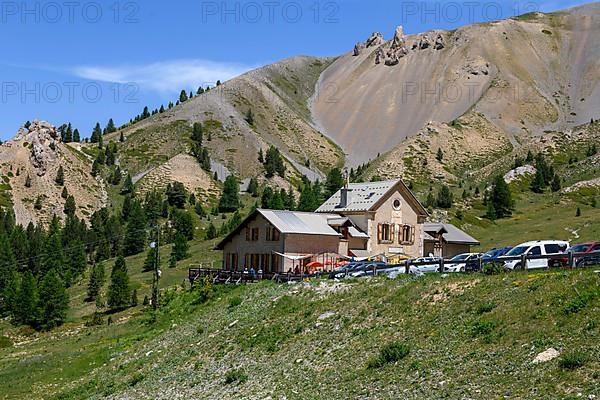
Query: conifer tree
pixel 127 185
pixel 444 197
pixel 28 181
pixel 253 187
pixel 149 261
pixel 121 137
pixel 96 282
pixel 110 126
pixel 134 298
pixel 96 133
pixel 230 200
pixel 440 155
pixel 197 133
pixel 54 301
pixel 8 266
pixel 135 235
pixel 65 193
pixel 70 206
pixel 26 305
pixel 261 157
pixel 334 182
pixel 60 176
pixel 183 97
pixel 537 185
pixel 119 292
pixel 76 135
pixel 180 247
pixel 211 232
pixel 501 198
pixel 39 202
pixel 249 117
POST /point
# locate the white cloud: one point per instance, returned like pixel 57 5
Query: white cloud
pixel 165 77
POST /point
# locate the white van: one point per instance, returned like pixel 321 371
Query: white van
pixel 536 248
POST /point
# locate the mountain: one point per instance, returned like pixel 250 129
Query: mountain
pixel 29 165
pixel 482 95
pixel 524 76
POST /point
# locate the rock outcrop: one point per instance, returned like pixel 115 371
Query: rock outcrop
pixel 376 39
pixel 42 138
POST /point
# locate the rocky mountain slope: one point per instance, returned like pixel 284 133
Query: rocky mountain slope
pixel 29 164
pixel 524 75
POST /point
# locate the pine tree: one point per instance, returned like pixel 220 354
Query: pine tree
pixel 127 185
pixel 537 185
pixel 26 305
pixel 199 210
pixel 183 223
pixel 39 202
pixel 135 235
pixel 110 126
pixel 430 200
pixel 183 97
pixel 253 187
pixel 289 199
pixel 230 200
pixel 276 202
pixel 180 247
pixel 54 301
pixel 261 157
pixel 8 267
pixel 197 133
pixel 555 185
pixel 76 135
pixel 529 157
pixel 211 232
pixel 95 168
pixel 96 133
pixel 578 212
pixel 28 181
pixel 70 206
pixel 334 182
pixel 501 198
pixel 134 298
pixel 440 155
pixel 444 197
pixel 274 163
pixel 119 292
pixel 121 137
pixel 60 176
pixel 267 197
pixel 149 261
pixel 249 117
pixel 96 282
pixel 65 193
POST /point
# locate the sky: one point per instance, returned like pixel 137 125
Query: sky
pixel 85 61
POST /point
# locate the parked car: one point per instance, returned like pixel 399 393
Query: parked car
pixel 536 248
pixel 425 265
pixel 494 254
pixel 341 272
pixel 366 269
pixel 463 262
pixel 588 259
pixel 584 251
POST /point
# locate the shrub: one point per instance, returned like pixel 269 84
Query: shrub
pixel 485 308
pixel 235 375
pixel 96 320
pixel 572 360
pixel 390 353
pixel 482 328
pixel 493 269
pixel 235 301
pixel 5 342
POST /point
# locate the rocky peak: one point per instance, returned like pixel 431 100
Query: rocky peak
pixel 42 138
pixel 375 39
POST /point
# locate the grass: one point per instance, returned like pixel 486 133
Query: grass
pixel 572 360
pixel 277 343
pixel 389 354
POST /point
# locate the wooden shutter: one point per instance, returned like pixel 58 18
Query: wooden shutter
pixel 379 233
pixel 247 234
pixel 412 234
pixel 392 232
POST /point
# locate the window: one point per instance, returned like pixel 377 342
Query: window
pixel 272 234
pixel 596 247
pixel 535 251
pixel 397 204
pixel 252 234
pixel 385 233
pixel 407 234
pixel 231 262
pixel 552 248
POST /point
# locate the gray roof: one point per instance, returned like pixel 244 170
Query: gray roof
pixel 355 233
pixel 452 235
pixel 364 196
pixel 300 222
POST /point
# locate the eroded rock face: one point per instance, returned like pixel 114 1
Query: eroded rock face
pixel 357 49
pixel 439 43
pixel 397 48
pixel 376 39
pixel 43 138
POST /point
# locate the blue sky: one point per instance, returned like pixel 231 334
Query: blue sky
pixel 87 61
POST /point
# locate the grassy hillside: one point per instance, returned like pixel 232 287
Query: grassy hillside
pixel 462 336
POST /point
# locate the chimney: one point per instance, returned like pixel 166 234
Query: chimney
pixel 345 192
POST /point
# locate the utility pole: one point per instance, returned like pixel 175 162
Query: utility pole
pixel 156 246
